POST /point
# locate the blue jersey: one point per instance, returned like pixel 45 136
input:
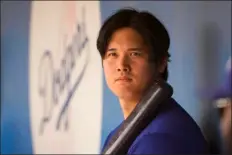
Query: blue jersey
pixel 172 131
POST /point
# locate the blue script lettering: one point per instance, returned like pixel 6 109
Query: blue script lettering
pixel 53 82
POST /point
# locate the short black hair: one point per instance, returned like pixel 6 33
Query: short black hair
pixel 147 25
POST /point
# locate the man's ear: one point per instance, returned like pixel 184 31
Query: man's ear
pixel 163 65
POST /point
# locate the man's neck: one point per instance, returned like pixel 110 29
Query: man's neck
pixel 127 106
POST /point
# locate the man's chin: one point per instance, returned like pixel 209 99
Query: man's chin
pixel 127 95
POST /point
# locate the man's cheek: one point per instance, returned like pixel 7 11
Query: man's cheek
pixel 109 76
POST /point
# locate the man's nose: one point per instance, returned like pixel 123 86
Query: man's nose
pixel 123 64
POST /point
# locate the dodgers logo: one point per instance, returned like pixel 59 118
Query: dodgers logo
pixel 65 77
pixel 53 82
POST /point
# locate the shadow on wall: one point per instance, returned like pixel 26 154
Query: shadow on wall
pixel 209 74
pixel 209 57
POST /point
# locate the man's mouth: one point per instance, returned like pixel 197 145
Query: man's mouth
pixel 125 79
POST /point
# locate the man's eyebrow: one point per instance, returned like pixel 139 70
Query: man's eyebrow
pixel 111 49
pixel 130 49
pixel 135 49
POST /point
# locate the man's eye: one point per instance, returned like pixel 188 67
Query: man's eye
pixel 112 54
pixel 135 54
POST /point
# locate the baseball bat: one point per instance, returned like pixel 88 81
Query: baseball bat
pixel 144 112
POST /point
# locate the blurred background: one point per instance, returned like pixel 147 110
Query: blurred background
pixel 54 98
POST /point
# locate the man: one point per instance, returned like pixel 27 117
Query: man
pixel 134 50
pixel 222 101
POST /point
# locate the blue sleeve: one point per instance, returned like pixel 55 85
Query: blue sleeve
pixel 106 141
pixel 159 143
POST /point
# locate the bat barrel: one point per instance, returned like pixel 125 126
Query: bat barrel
pixel 139 119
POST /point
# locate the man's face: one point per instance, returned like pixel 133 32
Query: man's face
pixel 126 67
pixel 225 126
pixel 225 120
